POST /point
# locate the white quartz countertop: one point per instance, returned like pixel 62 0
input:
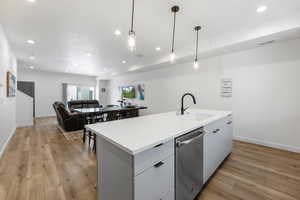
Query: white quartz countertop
pixel 135 135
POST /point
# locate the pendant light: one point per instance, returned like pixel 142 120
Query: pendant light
pixel 174 10
pixel 131 35
pixel 197 29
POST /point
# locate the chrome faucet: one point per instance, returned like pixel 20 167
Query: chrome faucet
pixel 182 99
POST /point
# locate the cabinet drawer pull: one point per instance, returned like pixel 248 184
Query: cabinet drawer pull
pixel 157 165
pixel 158 145
pixel 230 122
pixel 216 130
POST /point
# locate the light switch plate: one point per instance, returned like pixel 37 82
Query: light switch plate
pixel 226 87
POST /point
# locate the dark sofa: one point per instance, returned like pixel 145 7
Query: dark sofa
pixel 83 104
pixel 67 120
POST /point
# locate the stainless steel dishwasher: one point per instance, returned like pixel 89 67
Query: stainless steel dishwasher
pixel 189 165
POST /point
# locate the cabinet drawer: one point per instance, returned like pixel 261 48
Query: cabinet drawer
pixel 148 158
pixel 215 127
pixel 156 183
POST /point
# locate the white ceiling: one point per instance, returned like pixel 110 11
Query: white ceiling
pixel 66 30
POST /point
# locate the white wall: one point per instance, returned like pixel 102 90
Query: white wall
pixel 103 96
pixel 7 105
pixel 266 97
pixel 48 87
pixel 24 110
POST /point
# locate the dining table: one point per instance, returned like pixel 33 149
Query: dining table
pixel 97 111
pixel 103 110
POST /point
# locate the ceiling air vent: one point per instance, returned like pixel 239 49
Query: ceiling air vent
pixel 139 56
pixel 267 42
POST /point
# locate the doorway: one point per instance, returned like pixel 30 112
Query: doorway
pixel 27 87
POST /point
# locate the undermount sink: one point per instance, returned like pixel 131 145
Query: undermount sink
pixel 196 116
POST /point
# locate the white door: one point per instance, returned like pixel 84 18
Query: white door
pixel 217 145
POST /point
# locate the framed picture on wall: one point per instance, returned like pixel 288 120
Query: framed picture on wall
pixel 11 85
pixel 141 89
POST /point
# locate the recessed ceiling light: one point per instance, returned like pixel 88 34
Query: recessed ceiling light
pixel 89 54
pixel 124 61
pixel 261 9
pixel 31 67
pixel 31 57
pixel 117 32
pixel 30 41
pixel 157 48
pixel 31 1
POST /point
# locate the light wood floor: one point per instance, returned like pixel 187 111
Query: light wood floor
pixel 39 164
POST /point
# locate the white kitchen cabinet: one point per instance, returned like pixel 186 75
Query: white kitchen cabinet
pixel 217 145
pixel 210 155
pixel 148 175
pixel 227 136
pixel 156 183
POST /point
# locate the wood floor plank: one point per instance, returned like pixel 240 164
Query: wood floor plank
pixel 263 177
pixel 41 164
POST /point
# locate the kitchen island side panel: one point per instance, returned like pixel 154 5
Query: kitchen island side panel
pixel 114 172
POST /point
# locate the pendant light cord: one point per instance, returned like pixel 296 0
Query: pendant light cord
pixel 132 16
pixel 197 44
pixel 173 39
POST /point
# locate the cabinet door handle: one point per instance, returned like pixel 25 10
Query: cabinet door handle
pixel 157 165
pixel 216 130
pixel 230 122
pixel 182 143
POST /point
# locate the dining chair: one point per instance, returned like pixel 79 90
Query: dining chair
pixel 91 136
pixel 113 115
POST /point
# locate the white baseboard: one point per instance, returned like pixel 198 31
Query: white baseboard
pixel 43 117
pixel 6 143
pixel 268 144
pixel 24 124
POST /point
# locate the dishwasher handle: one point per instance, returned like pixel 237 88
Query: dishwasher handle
pixel 185 142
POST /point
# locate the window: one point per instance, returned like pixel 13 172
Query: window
pixel 76 92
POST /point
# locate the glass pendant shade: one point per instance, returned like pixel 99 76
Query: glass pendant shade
pixel 172 57
pixel 196 64
pixel 131 41
pixel 131 36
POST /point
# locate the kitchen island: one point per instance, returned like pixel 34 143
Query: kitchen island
pixel 136 157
